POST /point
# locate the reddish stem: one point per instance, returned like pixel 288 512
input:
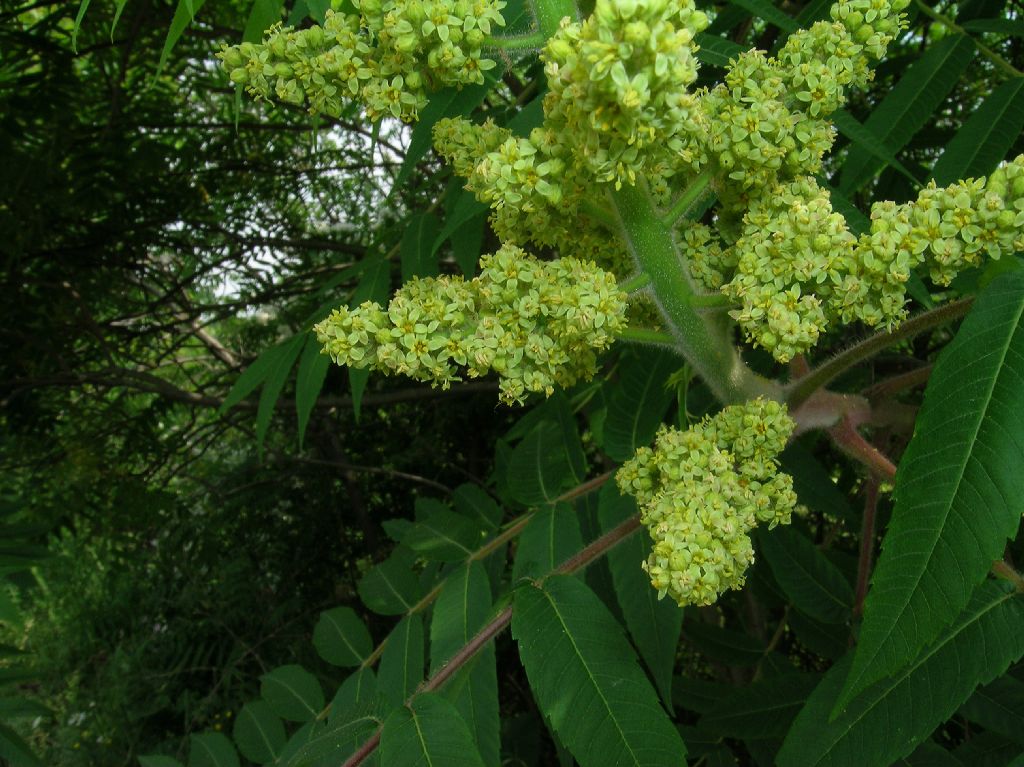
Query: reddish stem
pixel 850 441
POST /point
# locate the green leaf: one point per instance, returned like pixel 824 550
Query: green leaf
pixel 390 588
pixel 183 16
pixel 317 744
pixel 723 644
pixel 211 749
pixel 462 609
pixel 811 582
pixel 829 640
pixel 768 12
pixel 144 761
pixel 22 708
pixel 909 105
pixel 653 623
pixel 82 8
pixel 550 459
pixel 429 732
pixel 891 717
pixel 865 138
pixel 264 14
pixel 341 637
pixel 256 374
pixel 17 752
pixel 717 51
pixel 552 536
pixel 465 209
pixel 276 378
pixel 293 693
pixel 318 9
pixel 440 534
pixel 761 710
pixel 401 665
pixel 958 488
pixel 999 707
pixel 357 692
pixel 467 244
pixel 638 401
pixel 417 251
pixel 984 140
pixel 447 102
pixel 1014 27
pixel 259 732
pixel 473 501
pixel 310 380
pixel 586 679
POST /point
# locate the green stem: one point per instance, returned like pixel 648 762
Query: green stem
pixel 951 25
pixel 646 336
pixel 687 199
pixel 799 390
pixel 531 41
pixel 635 283
pixel 711 301
pixel 599 213
pixel 703 339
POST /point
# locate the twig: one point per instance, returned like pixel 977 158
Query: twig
pixel 802 388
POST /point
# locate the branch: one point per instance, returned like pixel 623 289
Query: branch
pixel 498 624
pixel 802 388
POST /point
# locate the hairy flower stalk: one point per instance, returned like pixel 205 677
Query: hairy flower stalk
pixel 702 490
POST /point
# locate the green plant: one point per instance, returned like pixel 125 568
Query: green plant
pixel 710 207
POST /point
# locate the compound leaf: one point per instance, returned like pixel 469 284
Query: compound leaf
pixel 586 679
pixel 958 488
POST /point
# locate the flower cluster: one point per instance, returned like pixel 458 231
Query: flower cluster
pixel 702 490
pixel 618 84
pixel 388 56
pixel 765 122
pixel 798 268
pixel 537 324
pixel 533 187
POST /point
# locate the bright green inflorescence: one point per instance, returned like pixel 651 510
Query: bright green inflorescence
pixel 388 56
pixel 702 490
pixel 798 268
pixel 766 121
pixel 618 84
pixel 537 324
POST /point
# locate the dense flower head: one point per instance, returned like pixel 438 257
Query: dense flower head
pixel 537 324
pixel 618 83
pixel 766 121
pixel 798 268
pixel 533 188
pixel 702 490
pixel 388 56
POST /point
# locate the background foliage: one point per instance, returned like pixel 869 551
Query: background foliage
pixel 214 545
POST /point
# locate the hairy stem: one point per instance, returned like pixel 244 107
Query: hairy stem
pixel 646 336
pixel 690 197
pixel 497 624
pixel 802 388
pixel 898 383
pixel 850 441
pixel 703 339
